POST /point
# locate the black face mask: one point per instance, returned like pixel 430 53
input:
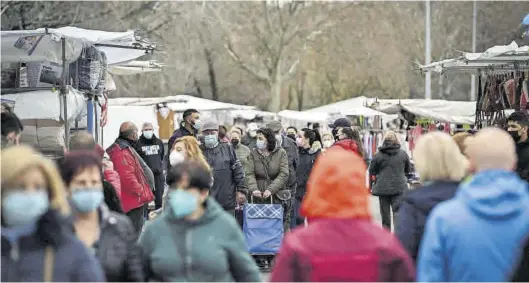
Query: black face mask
pixel 292 136
pixel 235 142
pixel 515 136
pixel 335 134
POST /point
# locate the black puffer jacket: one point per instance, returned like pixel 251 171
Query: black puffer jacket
pixel 522 150
pixel 293 161
pixel 390 166
pixel 117 250
pixel 307 157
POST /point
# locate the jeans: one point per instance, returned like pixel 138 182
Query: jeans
pixel 159 182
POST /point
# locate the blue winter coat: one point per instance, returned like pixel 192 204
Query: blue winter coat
pixel 23 259
pixel 477 236
pixel 415 207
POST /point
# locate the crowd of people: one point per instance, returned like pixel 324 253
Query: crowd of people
pixel 138 211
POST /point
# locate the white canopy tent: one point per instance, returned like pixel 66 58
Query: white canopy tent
pixel 179 103
pixel 299 119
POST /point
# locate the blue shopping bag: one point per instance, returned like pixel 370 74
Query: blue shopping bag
pixel 263 228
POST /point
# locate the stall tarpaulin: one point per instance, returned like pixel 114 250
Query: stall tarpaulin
pixel 178 103
pixel 115 55
pixel 47 105
pixel 135 67
pixel 458 112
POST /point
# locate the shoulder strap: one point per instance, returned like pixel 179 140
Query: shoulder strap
pixel 49 263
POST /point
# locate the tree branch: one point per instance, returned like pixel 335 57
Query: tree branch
pixel 237 59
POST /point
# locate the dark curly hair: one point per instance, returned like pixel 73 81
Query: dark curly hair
pixel 310 135
pixel 270 138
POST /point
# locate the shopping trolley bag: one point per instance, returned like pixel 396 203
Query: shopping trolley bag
pixel 263 227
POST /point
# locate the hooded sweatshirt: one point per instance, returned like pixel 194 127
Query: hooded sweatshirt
pixel 341 244
pixel 477 236
pixel 211 249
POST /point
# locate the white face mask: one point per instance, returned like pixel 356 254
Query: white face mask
pixel 164 112
pixel 176 158
pixel 327 144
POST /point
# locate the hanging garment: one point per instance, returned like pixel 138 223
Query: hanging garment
pixel 524 96
pixel 432 127
pixel 166 125
pixel 415 134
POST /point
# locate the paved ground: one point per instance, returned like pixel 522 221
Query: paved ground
pixel 374 205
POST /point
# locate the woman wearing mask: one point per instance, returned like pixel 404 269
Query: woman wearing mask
pixel 37 243
pixel 109 235
pixel 341 243
pixel 268 170
pixel 184 149
pixel 292 132
pixel 309 150
pixel 195 239
pixel 389 169
pixel 242 151
pixel 441 167
pixel 327 141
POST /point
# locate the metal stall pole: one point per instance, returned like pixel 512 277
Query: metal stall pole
pixel 96 125
pixel 64 93
pixel 90 115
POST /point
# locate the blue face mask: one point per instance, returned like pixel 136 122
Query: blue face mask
pixel 148 134
pixel 211 141
pixel 260 144
pixel 22 208
pixel 87 200
pixel 182 203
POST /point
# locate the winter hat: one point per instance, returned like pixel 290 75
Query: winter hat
pixel 349 197
pixel 210 125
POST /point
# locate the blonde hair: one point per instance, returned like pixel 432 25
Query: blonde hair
pixel 193 150
pixel 437 157
pixel 460 139
pixel 391 136
pixel 491 148
pixel 17 159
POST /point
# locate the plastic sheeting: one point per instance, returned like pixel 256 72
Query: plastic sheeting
pixel 135 67
pixel 115 55
pixel 497 55
pixel 47 105
pixel 37 46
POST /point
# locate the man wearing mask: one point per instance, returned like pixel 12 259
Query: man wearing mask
pixel 293 160
pixel 152 152
pixel 228 174
pixel 136 177
pixel 190 126
pixel 337 125
pixel 250 139
pixel 517 125
pixel 292 132
pixel 242 151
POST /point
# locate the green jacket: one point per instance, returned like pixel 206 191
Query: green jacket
pixel 210 249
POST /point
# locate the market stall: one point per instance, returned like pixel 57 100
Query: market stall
pixel 502 74
pixel 55 77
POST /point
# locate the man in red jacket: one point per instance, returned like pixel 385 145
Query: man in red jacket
pixel 135 189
